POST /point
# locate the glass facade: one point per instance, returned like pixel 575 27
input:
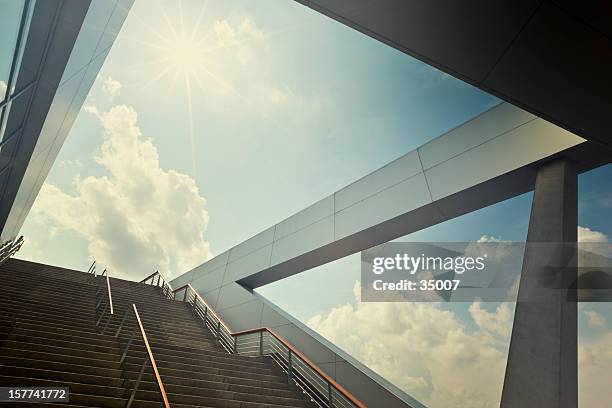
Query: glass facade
pixel 14 21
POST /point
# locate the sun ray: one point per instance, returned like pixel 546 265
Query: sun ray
pixel 191 130
pixel 158 77
pixel 198 22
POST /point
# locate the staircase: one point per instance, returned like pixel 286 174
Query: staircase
pixel 51 336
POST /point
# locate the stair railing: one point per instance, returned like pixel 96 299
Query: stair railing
pixel 148 360
pixel 9 248
pixel 104 296
pixel 91 272
pixel 157 279
pixel 223 335
pixel 321 388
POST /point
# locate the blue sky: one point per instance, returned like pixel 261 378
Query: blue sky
pixel 207 124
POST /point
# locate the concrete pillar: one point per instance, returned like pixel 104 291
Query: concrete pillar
pixel 542 369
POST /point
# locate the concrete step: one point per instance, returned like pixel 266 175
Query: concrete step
pixel 49 337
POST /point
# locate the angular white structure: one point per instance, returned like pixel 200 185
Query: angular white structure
pixel 490 158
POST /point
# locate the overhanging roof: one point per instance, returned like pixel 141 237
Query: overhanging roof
pixel 552 58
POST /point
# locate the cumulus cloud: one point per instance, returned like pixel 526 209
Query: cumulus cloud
pixel 425 350
pixel 139 217
pixel 595 320
pixel 594 241
pixel 498 322
pixel 595 361
pixel 111 87
pixel 240 36
pixel 586 234
pixel 225 33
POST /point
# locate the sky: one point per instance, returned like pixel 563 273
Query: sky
pixel 211 121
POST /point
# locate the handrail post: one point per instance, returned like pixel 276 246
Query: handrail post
pixel 138 379
pixel 127 347
pixel 330 395
pixel 235 348
pixel 110 316
pixel 261 343
pixel 218 330
pixel 185 294
pixel 289 366
pixel 101 315
pixel 122 321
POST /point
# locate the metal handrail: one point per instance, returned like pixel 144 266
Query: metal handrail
pixel 158 378
pixel 320 387
pixel 166 288
pixel 110 295
pixel 149 359
pixel 101 295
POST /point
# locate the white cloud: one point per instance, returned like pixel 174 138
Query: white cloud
pixel 593 241
pixel 139 217
pixel 225 33
pixel 71 163
pixel 595 320
pixel 249 29
pixel 586 234
pixel 595 362
pixel 425 350
pixel 111 87
pixel 241 36
pixel 498 323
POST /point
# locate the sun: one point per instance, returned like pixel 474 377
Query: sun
pixel 184 55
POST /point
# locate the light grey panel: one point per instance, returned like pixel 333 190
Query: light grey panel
pixel 79 98
pixel 182 280
pixel 28 183
pixel 494 122
pixel 394 201
pixel 364 387
pixel 92 29
pixel 252 244
pixel 232 295
pixel 55 62
pixel 315 351
pixel 217 262
pixel 385 177
pixel 113 27
pixel 242 317
pixel 255 261
pixel 211 297
pixel 328 368
pixel 271 318
pixel 498 156
pixel 315 235
pixel 42 176
pixel 319 210
pixel 209 280
pixel 57 112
